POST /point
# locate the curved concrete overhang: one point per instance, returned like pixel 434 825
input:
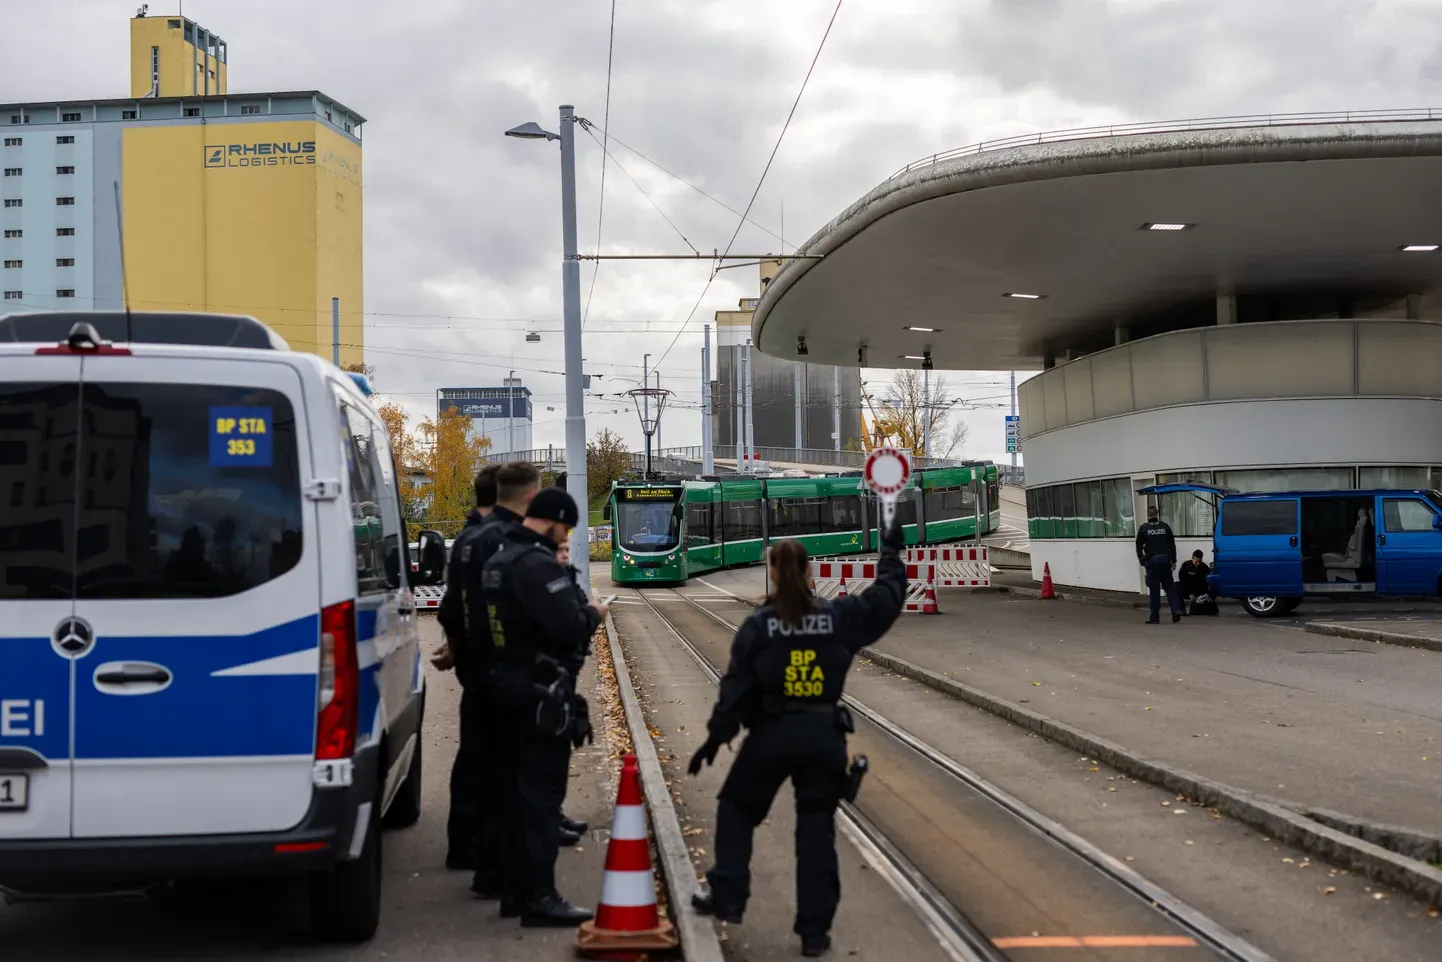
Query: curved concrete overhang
pixel 1307 208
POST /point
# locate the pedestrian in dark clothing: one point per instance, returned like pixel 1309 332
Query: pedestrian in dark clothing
pixel 540 626
pixel 474 834
pixel 1157 553
pixel 784 683
pixel 1192 580
pixel 467 787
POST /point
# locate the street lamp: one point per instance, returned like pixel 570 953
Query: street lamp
pixel 571 305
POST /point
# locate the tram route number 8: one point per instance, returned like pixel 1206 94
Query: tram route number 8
pixel 803 678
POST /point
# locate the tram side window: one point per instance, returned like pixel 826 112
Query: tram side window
pixel 948 504
pixel 743 519
pixel 906 508
pixel 845 513
pixel 796 517
pixel 698 525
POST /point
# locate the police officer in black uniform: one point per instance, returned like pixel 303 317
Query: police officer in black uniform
pixel 1157 552
pixel 788 667
pixel 467 787
pixel 540 628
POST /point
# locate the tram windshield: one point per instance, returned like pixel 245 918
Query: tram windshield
pixel 648 519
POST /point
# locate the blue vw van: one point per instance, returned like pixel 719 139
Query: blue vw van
pixel 1273 550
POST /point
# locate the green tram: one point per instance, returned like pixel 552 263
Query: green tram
pixel 666 531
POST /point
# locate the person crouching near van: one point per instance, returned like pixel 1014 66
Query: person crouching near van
pixel 1157 553
pixel 1192 579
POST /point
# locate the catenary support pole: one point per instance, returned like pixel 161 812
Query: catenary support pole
pixel 335 331
pixel 750 406
pixel 708 460
pixel 1013 410
pixel 646 412
pixel 926 410
pixel 836 408
pixel 797 381
pixel 575 396
pixel 737 363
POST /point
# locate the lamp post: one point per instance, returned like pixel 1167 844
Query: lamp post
pixel 571 304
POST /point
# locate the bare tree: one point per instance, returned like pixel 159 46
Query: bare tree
pixel 607 461
pixel 902 416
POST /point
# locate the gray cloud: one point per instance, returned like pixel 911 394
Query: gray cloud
pixel 462 223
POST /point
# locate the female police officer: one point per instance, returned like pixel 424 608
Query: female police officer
pixel 784 683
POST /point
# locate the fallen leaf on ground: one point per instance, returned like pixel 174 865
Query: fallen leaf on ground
pixel 1379 895
pixel 1329 890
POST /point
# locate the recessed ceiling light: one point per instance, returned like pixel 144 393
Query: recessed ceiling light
pixel 1419 247
pixel 1025 297
pixel 912 357
pixel 1172 227
pixel 923 330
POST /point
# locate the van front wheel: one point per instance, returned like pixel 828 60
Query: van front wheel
pixel 345 902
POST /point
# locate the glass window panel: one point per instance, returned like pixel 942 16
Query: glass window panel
pixel 1407 515
pixel 1191 515
pixel 1287 479
pixel 1398 477
pixel 1117 504
pixel 1065 508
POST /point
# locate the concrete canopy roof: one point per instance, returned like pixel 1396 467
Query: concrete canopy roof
pixel 1280 206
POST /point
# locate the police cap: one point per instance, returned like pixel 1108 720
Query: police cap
pixel 554 504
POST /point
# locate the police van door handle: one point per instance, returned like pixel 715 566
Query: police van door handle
pixel 1293 541
pixel 132 678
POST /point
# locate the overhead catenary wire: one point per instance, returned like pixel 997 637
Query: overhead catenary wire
pixel 605 154
pixel 649 200
pixel 762 180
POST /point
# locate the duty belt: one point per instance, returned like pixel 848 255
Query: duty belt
pixel 810 707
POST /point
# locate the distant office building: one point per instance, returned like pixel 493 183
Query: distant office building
pixel 500 414
pixel 238 203
pixel 773 386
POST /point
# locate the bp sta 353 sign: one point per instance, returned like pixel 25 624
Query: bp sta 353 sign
pixel 292 154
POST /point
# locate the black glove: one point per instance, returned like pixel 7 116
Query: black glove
pixel 706 753
pixel 892 536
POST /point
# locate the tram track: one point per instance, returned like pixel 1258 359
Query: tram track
pixel 971 818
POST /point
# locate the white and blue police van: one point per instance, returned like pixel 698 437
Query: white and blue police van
pixel 210 660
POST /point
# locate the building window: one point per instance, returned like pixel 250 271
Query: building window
pixel 14 233
pixel 192 111
pixel 64 170
pixel 65 202
pixel 15 118
pixel 173 24
pixel 13 171
pixel 14 295
pixel 14 141
pixel 64 232
pixel 65 139
pixel 64 262
pixel 13 264
pixel 14 202
pixel 249 108
pixel 71 117
pixel 130 115
pixel 1190 515
pixel 65 292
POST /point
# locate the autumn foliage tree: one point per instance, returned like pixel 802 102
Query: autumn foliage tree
pixel 607 461
pixel 902 416
pixel 438 464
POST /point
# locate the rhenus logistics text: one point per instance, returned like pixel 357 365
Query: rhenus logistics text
pixel 260 155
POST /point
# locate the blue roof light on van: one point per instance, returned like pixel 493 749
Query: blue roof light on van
pixel 362 382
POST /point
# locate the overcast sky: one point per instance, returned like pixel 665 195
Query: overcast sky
pixel 462 245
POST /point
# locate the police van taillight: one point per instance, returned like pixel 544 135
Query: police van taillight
pixel 339 683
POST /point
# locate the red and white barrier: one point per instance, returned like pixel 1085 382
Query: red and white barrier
pixel 428 597
pixel 957 565
pixel 837 579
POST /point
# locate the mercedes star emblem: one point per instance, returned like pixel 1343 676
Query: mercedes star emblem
pixel 74 636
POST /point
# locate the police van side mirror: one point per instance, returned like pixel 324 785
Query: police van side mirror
pixel 393 562
pixel 432 558
pixel 1437 522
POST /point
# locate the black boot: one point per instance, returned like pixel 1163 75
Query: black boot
pixel 705 904
pixel 553 912
pixel 569 824
pixel 813 946
pixel 485 886
pixel 567 838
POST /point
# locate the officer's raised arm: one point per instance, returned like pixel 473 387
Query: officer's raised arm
pixel 868 616
pixel 739 686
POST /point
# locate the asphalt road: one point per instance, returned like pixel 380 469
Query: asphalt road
pixel 429 914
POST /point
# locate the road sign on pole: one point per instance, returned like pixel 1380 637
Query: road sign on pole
pixel 1013 433
pixel 886 474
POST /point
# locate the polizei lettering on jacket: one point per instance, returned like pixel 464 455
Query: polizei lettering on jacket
pixel 813 624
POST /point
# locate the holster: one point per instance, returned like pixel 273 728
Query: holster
pixel 555 709
pixel 581 730
pixel 854 775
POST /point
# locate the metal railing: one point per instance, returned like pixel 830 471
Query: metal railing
pixel 1178 126
pixel 687 460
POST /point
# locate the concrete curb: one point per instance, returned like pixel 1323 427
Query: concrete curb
pixel 1023 592
pixel 1372 634
pixel 1269 815
pixel 699 942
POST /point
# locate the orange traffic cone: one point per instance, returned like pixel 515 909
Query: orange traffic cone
pixel 841 588
pixel 1048 591
pixel 929 605
pixel 627 918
